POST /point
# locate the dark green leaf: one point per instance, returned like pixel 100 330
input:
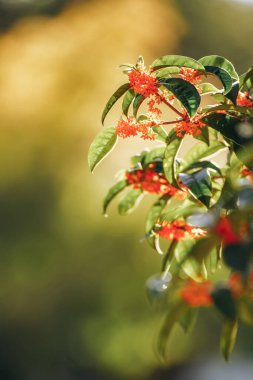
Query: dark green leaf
pixel 221 62
pixel 169 162
pixel 203 165
pixel 139 99
pixel 127 100
pixel 223 75
pixel 130 201
pixel 176 60
pixel 101 146
pixel 224 302
pixel 113 191
pixel 228 338
pixel 203 136
pixel 233 93
pixel 113 99
pixel 199 184
pixel 185 92
pixel 237 256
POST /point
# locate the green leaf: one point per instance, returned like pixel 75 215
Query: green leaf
pixel 223 75
pixel 245 306
pixel 113 99
pixel 246 76
pixel 169 161
pixel 161 133
pixel 200 151
pixel 204 136
pixel 172 317
pixel 189 319
pixel 207 88
pixel 153 155
pixel 113 191
pixel 176 60
pixel 224 302
pixel 130 201
pixel 167 72
pixel 237 256
pixel 199 184
pixel 101 146
pixel 228 338
pixel 233 93
pixel 139 99
pixel 230 108
pixel 185 92
pixel 221 62
pixel 155 212
pixel 127 100
pixel 203 165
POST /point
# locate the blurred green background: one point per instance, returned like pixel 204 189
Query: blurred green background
pixel 72 296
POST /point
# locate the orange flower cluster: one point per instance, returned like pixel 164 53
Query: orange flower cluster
pixel 132 127
pixel 225 230
pixel 144 83
pixel 244 100
pixel 152 182
pixel 178 230
pixel 236 284
pixel 191 127
pixel 191 75
pixel 197 294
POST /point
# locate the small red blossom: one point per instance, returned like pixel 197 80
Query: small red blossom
pixel 197 294
pixel 144 83
pixel 152 182
pixel 244 100
pixel 132 127
pixel 247 173
pixel 179 230
pixel 235 284
pixel 225 230
pixel 191 75
pixel 191 127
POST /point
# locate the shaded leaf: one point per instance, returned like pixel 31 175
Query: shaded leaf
pixel 189 319
pixel 113 99
pixel 169 161
pixel 185 92
pixel 199 184
pixel 228 338
pixel 155 212
pixel 221 62
pixel 127 100
pixel 237 256
pixel 101 146
pixel 139 99
pixel 223 75
pixel 224 302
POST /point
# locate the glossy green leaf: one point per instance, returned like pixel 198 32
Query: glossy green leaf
pixel 127 100
pixel 185 92
pixel 207 88
pixel 113 191
pixel 203 165
pixel 233 93
pixel 224 302
pixel 204 136
pixel 176 60
pixel 154 154
pixel 230 108
pixel 200 151
pixel 139 99
pixel 221 62
pixel 169 161
pixel 168 72
pixel 223 75
pixel 130 201
pixel 228 338
pixel 163 135
pixel 199 184
pixel 113 99
pixel 101 146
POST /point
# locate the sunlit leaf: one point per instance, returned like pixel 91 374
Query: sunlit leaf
pixel 223 75
pixel 113 191
pixel 139 99
pixel 169 161
pixel 155 212
pixel 130 201
pixel 221 62
pixel 101 146
pixel 113 99
pixel 176 60
pixel 127 100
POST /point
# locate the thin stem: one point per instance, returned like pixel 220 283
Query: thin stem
pixel 172 107
pixel 168 256
pixel 170 122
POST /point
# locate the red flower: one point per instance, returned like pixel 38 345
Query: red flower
pixel 235 284
pixel 132 127
pixel 244 100
pixel 178 230
pixel 191 75
pixel 225 230
pixel 152 182
pixel 144 83
pixel 191 127
pixel 197 294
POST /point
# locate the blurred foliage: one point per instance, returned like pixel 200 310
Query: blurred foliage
pixel 72 298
